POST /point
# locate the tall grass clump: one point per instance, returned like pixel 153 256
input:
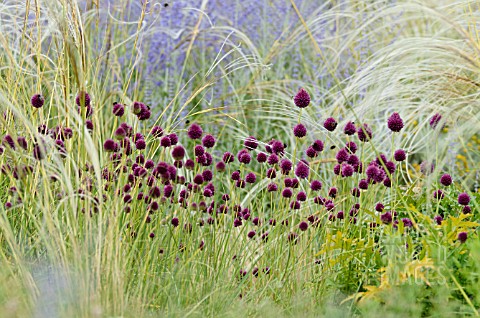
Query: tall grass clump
pixel 259 158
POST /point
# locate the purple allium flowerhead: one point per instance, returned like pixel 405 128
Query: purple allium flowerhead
pixel 208 141
pixel 462 237
pixel 109 145
pixel 207 175
pixel 287 193
pixel 301 196
pixel 330 124
pixel 332 192
pixel 228 157
pixel 195 131
pixel 173 138
pixel 340 215
pixel 347 170
pixel 149 164
pixel 438 194
pixel 22 142
pixel 199 150
pixel 261 157
pixel 303 226
pixel 353 160
pixel 120 133
pixel 463 198
pixel 168 190
pixel 310 152
pixel 350 128
pixel 250 177
pixel 287 182
pixel 190 164
pixel 466 209
pixel 351 147
pixel 39 152
pixel 198 179
pixel 165 142
pixel 118 109
pixel 272 187
pixel 83 99
pixel 251 234
pixel 250 143
pixel 137 108
pixel 342 155
pixel 8 140
pixel 235 175
pixel 438 219
pixel 244 157
pixel 237 222
pixel 137 136
pixel 400 155
pixel 140 144
pixel 386 218
pixel 363 184
pixel 285 166
pixel 446 180
pixel 37 100
pixel 272 159
pixel 294 183
pixel 407 222
pixel 277 147
pixel 364 133
pixel 395 122
pixel 156 131
pixel 295 205
pixel 355 192
pixel 435 120
pixel 175 222
pixel 300 131
pixel 145 112
pixel 336 169
pixel 374 173
pixel 391 167
pixel 302 98
pixel 220 166
pixel 318 145
pixel 387 182
pixel 302 170
pixel 316 185
pixel 128 129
